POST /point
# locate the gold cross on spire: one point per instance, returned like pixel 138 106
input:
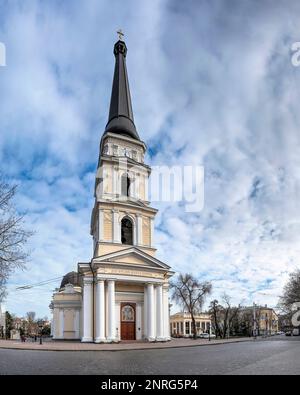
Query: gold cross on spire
pixel 121 34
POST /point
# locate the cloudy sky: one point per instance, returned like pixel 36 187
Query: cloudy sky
pixel 212 84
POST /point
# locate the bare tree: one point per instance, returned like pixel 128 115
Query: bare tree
pixel 190 293
pixel 289 298
pixel 291 292
pixel 216 311
pixel 13 236
pixel 223 316
pixel 31 322
pixel 30 315
pixel 231 313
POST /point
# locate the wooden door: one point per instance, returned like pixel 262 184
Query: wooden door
pixel 127 321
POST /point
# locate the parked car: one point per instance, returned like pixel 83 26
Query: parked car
pixel 279 333
pixel 289 333
pixel 176 335
pixel 206 336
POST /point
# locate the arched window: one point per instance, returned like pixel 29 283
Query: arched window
pixel 125 185
pixel 126 231
pixel 127 313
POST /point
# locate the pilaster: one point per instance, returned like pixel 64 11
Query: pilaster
pixel 87 309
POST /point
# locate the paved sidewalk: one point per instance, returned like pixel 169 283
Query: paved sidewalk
pixel 123 346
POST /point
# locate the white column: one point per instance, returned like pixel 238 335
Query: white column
pixel 159 313
pixel 138 322
pixel 118 321
pixel 87 309
pixel 139 228
pixel 51 327
pixel 61 323
pixel 104 180
pixel 101 225
pixel 116 227
pixel 77 324
pixel 145 326
pixel 166 313
pixel 131 186
pixel 100 312
pixel 135 232
pixel 136 186
pixel 114 180
pixel 150 310
pixel 146 181
pixel 111 311
pixel 119 180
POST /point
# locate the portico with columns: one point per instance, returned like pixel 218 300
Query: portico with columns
pixel 130 300
pixel 124 288
pixel 150 322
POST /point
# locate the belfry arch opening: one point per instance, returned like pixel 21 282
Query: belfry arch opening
pixel 125 185
pixel 126 231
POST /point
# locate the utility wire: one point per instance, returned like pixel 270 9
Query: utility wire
pixel 45 282
pixel 42 283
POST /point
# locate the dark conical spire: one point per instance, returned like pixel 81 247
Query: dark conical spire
pixel 120 119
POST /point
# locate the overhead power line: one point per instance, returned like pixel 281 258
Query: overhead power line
pixel 45 282
pixel 42 283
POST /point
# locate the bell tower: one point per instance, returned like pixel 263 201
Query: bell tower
pixel 123 289
pixel 122 216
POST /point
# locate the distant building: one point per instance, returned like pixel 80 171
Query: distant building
pixel 262 318
pixel 181 324
pixel 2 323
pixel 15 334
pixel 268 320
pixel 285 322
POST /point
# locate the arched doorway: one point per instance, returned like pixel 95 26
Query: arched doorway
pixel 128 321
pixel 126 231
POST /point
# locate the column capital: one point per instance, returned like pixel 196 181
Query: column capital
pixel 87 280
pixel 99 279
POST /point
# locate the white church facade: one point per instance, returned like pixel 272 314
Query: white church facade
pixel 123 292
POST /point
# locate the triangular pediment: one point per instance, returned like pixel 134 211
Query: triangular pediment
pixel 132 256
pixel 130 259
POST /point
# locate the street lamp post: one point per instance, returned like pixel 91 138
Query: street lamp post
pixel 17 326
pixel 267 326
pixel 41 325
pixel 254 320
